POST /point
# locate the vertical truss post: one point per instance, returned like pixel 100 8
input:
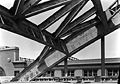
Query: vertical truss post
pixel 100 13
pixel 103 56
pixel 66 67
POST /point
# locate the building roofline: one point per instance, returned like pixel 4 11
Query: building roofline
pixel 92 61
pixel 4 48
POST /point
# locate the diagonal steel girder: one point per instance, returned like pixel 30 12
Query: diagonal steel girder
pixel 113 25
pixel 95 32
pixel 33 34
pixel 44 52
pixel 42 7
pixel 44 36
pixel 29 4
pixel 69 18
pixel 57 15
pixel 30 30
pixel 77 21
pixel 4 11
pixel 47 47
pixel 49 50
pixel 101 14
pixel 78 28
pixel 20 6
pixel 39 60
pixel 71 15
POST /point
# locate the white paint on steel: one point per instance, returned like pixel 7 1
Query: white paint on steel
pixel 108 14
pixel 82 39
pixel 30 74
pixel 116 19
pixel 54 57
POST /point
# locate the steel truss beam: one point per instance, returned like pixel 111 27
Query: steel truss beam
pixel 4 11
pixel 113 25
pixel 76 9
pixel 42 36
pixel 113 9
pixel 40 61
pixel 21 6
pixel 81 33
pixel 57 15
pixel 42 7
pixel 43 66
pixel 99 27
pixel 69 18
pixel 18 7
pixel 78 21
pixel 79 28
pixel 29 4
pixel 29 30
pixel 101 14
pixel 64 47
pixel 44 52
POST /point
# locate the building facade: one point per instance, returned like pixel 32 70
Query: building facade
pixel 11 65
pixel 87 68
pixel 7 56
pixel 10 62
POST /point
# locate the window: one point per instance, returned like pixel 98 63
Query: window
pixel 90 72
pixel 112 72
pixel 85 73
pixel 49 74
pixel 94 72
pixel 69 73
pixel 16 73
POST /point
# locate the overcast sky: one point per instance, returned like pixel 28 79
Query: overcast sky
pixel 31 49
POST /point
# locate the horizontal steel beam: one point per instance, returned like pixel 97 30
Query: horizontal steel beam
pixel 69 17
pixel 57 15
pixel 42 7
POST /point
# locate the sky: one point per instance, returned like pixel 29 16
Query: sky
pixel 31 49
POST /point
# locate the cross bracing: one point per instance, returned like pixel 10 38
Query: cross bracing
pixel 72 34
